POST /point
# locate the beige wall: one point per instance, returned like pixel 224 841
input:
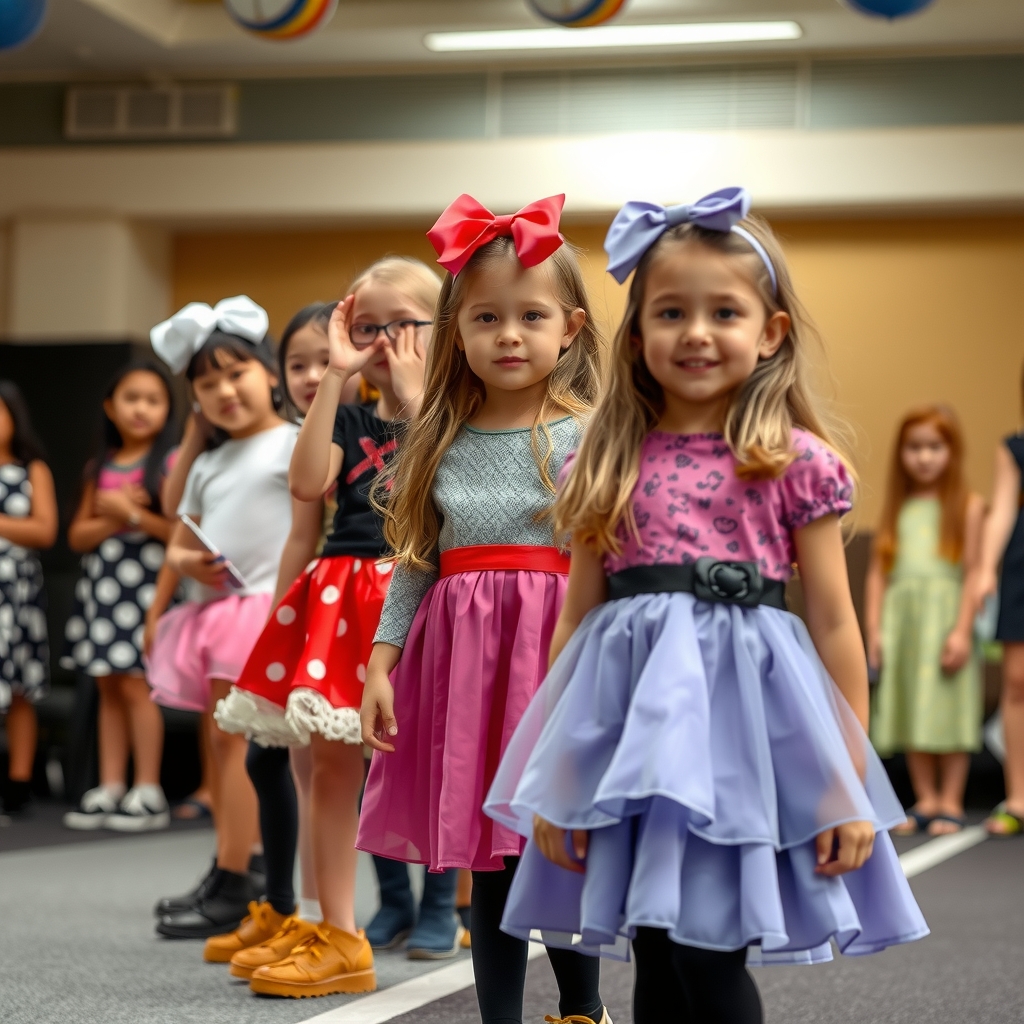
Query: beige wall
pixel 911 311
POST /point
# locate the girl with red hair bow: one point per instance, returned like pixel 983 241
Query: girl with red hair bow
pixel 479 578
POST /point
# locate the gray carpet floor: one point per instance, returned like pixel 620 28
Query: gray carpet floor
pixel 77 944
pixel 77 947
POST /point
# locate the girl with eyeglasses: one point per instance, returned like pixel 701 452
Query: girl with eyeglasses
pixel 303 683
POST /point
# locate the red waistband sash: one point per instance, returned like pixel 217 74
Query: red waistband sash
pixel 515 557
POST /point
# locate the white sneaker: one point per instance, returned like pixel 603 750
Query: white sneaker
pixel 144 809
pixel 96 807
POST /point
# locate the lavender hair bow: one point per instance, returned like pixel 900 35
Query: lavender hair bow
pixel 638 225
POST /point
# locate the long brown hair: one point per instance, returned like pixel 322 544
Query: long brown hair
pixel 452 394
pixel 758 428
pixel 953 493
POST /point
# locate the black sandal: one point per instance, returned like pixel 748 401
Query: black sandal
pixel 921 823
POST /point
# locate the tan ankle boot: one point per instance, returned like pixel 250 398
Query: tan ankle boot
pixel 293 930
pixel 263 922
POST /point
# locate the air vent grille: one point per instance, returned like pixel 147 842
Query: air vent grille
pixel 151 112
pixel 667 99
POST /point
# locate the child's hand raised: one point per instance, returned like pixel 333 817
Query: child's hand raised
pixel 344 356
pixel 844 848
pixel 407 360
pixel 550 840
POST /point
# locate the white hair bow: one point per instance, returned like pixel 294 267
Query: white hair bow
pixel 178 339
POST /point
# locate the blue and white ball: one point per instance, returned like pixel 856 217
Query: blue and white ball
pixel 281 19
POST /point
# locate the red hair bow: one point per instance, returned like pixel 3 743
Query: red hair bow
pixel 466 225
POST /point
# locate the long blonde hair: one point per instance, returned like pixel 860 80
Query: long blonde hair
pixel 406 274
pixel 776 397
pixel 452 394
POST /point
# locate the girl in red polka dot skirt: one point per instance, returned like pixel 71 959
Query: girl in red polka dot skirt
pixel 303 682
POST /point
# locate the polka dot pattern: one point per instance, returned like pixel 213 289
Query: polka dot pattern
pixel 24 650
pixel 322 644
pixel 117 585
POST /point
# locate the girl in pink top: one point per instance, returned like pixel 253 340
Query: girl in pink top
pixel 692 778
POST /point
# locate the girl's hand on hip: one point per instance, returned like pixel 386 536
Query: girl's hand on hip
pixel 377 714
pixel 343 356
pixel 550 840
pixel 955 651
pixel 844 848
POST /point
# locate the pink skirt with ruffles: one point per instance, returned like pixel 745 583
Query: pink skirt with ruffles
pixel 197 641
pixel 475 655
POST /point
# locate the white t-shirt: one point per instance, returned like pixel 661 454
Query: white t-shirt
pixel 239 491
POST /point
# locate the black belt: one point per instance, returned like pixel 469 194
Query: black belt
pixel 707 579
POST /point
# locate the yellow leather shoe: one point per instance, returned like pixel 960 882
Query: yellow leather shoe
pixel 326 962
pixel 263 922
pixel 277 947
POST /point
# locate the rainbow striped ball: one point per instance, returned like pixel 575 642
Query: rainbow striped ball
pixel 281 19
pixel 577 13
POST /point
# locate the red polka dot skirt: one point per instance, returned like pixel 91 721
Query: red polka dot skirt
pixel 307 670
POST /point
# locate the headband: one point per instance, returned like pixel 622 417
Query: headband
pixel 638 225
pixel 466 226
pixel 178 339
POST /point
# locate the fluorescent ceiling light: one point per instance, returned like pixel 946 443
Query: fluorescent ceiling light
pixel 692 34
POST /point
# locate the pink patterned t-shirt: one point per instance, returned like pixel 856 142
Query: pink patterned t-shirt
pixel 689 503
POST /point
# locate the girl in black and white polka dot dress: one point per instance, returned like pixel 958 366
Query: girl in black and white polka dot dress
pixel 121 531
pixel 28 522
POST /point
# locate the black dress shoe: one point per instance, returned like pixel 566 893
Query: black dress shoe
pixel 220 909
pixel 174 904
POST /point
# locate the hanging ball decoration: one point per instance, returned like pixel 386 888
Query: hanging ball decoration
pixel 888 8
pixel 577 13
pixel 281 19
pixel 20 20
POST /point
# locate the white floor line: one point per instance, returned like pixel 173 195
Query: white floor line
pixel 941 848
pixel 409 995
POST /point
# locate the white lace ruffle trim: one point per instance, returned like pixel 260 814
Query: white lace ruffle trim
pixel 269 725
pixel 309 711
pixel 261 720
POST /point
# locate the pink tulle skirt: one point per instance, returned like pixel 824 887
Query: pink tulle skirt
pixel 476 653
pixel 199 641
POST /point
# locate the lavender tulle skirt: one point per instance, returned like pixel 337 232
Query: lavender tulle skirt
pixel 704 747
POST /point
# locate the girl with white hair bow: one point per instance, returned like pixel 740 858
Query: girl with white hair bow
pixel 237 492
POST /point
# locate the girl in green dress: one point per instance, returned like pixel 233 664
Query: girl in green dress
pixel 919 612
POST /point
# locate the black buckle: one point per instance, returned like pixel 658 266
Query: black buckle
pixel 731 582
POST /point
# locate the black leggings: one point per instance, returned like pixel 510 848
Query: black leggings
pixel 687 985
pixel 271 776
pixel 499 960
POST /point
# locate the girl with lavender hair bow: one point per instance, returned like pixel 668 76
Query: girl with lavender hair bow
pixel 694 772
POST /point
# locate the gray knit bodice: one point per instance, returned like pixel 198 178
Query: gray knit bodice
pixel 487 490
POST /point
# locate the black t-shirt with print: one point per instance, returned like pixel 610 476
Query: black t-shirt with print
pixel 369 444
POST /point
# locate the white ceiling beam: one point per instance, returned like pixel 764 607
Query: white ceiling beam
pixel 787 171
